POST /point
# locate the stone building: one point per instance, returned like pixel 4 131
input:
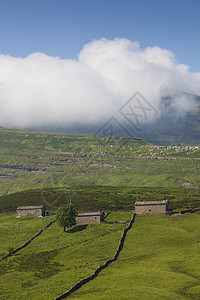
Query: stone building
pixel 151 207
pixel 31 211
pixel 84 218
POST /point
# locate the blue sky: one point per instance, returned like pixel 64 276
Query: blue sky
pixel 62 27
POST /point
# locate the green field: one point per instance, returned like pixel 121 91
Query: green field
pixel 94 172
pixel 31 160
pixel 160 259
pixel 55 260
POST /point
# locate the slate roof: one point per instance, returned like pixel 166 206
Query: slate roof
pixel 142 203
pixel 30 207
pixel 92 213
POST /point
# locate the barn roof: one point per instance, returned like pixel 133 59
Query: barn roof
pixel 142 203
pixel 90 213
pixel 30 207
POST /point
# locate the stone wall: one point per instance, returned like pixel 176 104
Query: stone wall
pixel 28 242
pixel 82 282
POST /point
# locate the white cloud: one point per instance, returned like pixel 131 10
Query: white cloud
pixel 42 90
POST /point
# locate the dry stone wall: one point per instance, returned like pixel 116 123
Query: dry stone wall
pixel 28 242
pixel 79 284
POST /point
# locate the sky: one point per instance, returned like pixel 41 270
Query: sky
pixel 62 27
pixel 66 61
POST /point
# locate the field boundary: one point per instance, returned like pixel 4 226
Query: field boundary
pixel 82 282
pixel 28 242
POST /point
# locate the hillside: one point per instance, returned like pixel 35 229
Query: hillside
pixel 174 124
pixel 159 260
pixel 47 160
pixel 92 198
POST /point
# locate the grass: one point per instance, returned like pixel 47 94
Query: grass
pixel 116 216
pixel 160 260
pixel 55 260
pixel 31 160
pixel 94 197
pixel 161 254
pixel 14 232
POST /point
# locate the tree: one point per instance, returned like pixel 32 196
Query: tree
pixel 66 216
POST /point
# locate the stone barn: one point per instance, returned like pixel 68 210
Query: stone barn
pixel 31 211
pixel 84 218
pixel 151 207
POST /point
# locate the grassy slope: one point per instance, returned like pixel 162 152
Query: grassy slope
pixel 94 198
pixel 37 160
pixel 55 168
pixel 160 260
pixel 15 232
pixel 54 261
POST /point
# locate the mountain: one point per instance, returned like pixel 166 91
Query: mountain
pixel 172 127
pixel 176 122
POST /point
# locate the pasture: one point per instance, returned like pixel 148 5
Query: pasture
pixel 160 259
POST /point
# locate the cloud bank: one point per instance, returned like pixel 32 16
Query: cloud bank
pixel 42 90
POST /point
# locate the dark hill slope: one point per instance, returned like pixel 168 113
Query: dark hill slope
pixel 91 198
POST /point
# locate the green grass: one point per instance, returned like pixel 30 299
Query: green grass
pixel 14 232
pixel 55 260
pixel 116 216
pixel 160 260
pixel 161 255
pixel 31 160
pixel 91 198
